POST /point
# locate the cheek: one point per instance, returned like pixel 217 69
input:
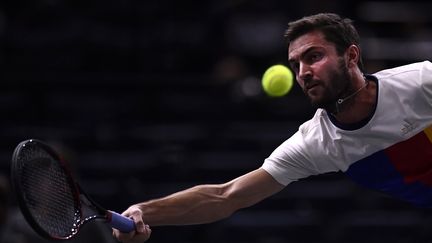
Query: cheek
pixel 326 71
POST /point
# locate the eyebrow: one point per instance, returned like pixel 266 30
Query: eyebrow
pixel 292 60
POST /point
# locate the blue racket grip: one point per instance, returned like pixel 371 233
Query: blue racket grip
pixel 122 223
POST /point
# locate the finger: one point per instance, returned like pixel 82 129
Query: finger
pixel 145 235
pixel 147 230
pixel 135 237
pixel 136 216
pixel 142 231
pixel 123 237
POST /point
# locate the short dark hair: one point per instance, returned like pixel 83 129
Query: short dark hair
pixel 335 29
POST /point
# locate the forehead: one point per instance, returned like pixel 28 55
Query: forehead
pixel 314 39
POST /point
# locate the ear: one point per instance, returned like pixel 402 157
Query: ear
pixel 353 55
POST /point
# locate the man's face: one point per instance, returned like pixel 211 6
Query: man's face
pixel 320 71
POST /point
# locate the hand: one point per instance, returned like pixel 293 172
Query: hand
pixel 142 231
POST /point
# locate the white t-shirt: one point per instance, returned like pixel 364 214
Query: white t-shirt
pixel 391 151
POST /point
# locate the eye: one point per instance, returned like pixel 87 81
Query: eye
pixel 314 57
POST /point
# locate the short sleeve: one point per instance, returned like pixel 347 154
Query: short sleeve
pixel 426 80
pixel 290 161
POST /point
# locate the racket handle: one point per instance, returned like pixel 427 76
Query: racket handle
pixel 122 223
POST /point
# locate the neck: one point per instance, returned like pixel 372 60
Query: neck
pixel 356 106
pixel 339 103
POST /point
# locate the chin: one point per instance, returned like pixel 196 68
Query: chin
pixel 315 100
pixel 315 104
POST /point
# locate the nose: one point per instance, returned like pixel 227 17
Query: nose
pixel 305 72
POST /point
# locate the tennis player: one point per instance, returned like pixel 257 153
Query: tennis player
pixel 376 128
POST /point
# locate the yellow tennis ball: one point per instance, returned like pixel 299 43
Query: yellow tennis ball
pixel 277 80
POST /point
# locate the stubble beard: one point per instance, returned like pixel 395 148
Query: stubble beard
pixel 339 86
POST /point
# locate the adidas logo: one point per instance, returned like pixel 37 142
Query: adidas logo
pixel 407 127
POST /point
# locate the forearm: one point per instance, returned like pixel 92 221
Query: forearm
pixel 209 203
pixel 199 204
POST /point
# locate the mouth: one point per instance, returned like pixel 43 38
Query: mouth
pixel 310 86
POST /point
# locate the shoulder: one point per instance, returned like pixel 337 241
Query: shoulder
pixel 415 73
pixel 416 77
pixel 294 159
pixel 413 68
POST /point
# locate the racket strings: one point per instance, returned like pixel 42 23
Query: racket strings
pixel 49 194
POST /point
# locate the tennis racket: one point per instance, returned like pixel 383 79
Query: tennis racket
pixel 51 201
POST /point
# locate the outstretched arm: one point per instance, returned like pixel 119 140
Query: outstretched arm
pixel 201 204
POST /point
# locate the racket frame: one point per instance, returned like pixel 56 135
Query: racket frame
pixel 81 199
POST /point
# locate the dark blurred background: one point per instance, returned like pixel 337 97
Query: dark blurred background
pixel 146 98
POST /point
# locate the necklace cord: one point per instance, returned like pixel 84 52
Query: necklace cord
pixel 342 100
